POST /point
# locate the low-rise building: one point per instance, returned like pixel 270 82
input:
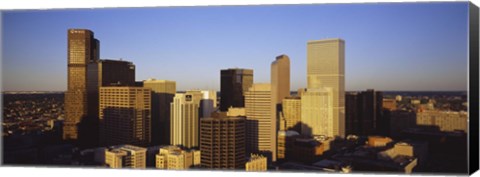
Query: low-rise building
pixel 125 156
pixel 176 158
pixel 256 163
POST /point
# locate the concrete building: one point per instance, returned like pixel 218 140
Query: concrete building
pixel 280 85
pixel 233 85
pixel 256 162
pixel 261 125
pixel 82 50
pixel 125 116
pixel 163 92
pixel 222 142
pixel 446 120
pixel 184 119
pixel 207 103
pixel 306 150
pixel 125 156
pixel 292 113
pixel 317 113
pixel 378 141
pixel 176 158
pixel 326 69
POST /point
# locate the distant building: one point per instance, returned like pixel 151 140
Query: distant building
pixel 280 89
pixel 176 158
pixel 222 142
pixel 163 92
pixel 125 116
pixel 261 127
pixel 125 156
pixel 233 85
pixel 445 120
pixel 317 113
pixel 390 104
pixel 256 163
pixel 398 98
pixel 184 120
pixel 207 103
pixel 326 69
pixel 292 113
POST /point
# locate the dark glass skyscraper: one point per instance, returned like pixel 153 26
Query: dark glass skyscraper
pixel 233 85
pixel 82 49
pixel 364 113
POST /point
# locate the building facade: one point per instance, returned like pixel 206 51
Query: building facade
pixel 292 113
pixel 364 113
pixel 184 119
pixel 222 142
pixel 233 85
pixel 256 162
pixel 125 116
pixel 261 125
pixel 317 113
pixel 326 69
pixel 125 156
pixel 82 50
pixel 176 158
pixel 163 92
pixel 447 121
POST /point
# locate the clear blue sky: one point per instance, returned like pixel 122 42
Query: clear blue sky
pixel 406 46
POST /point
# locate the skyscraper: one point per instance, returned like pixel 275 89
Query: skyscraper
pixel 83 49
pixel 222 142
pixel 102 73
pixel 326 69
pixel 184 120
pixel 280 80
pixel 233 85
pixel 163 92
pixel 261 125
pixel 125 116
pixel 364 112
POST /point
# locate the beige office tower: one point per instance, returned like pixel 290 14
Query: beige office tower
pixel 82 50
pixel 126 156
pixel 261 125
pixel 317 113
pixel 292 113
pixel 207 101
pixel 163 92
pixel 326 69
pixel 125 116
pixel 445 120
pixel 175 158
pixel 184 120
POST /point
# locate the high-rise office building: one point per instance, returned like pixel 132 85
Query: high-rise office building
pixel 326 69
pixel 82 49
pixel 184 120
pixel 222 142
pixel 261 125
pixel 126 156
pixel 280 80
pixel 292 113
pixel 317 113
pixel 447 121
pixel 176 158
pixel 364 112
pixel 163 92
pixel 102 73
pixel 233 85
pixel 125 114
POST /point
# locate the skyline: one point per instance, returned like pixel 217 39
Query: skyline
pixel 429 63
